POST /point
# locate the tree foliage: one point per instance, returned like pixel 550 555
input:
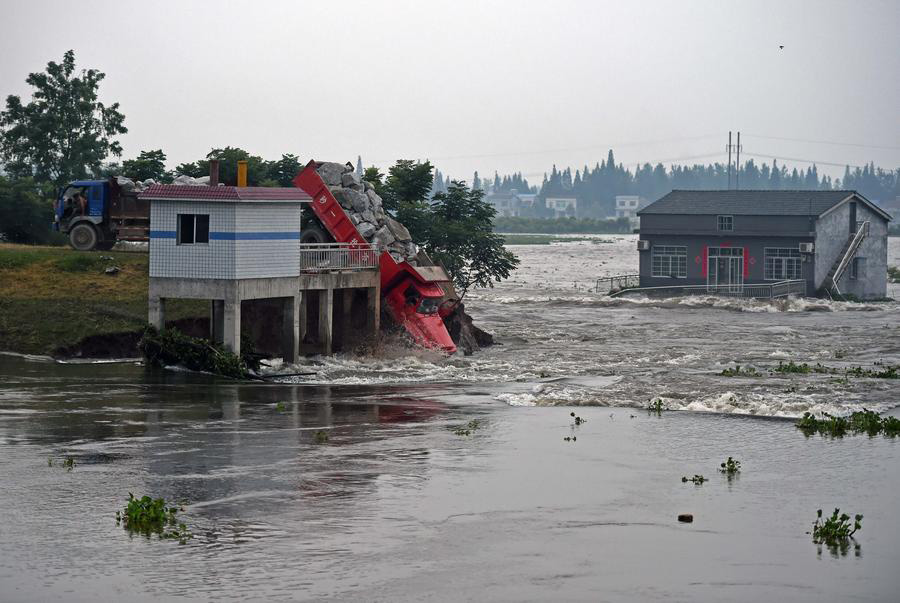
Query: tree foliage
pixel 64 133
pixel 148 164
pixel 26 211
pixel 408 183
pixel 259 171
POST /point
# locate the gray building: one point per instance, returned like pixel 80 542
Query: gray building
pixel 836 241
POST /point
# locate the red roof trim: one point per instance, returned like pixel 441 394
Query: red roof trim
pixel 224 193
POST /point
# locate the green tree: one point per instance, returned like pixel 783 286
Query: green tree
pixel 26 212
pixel 408 183
pixel 284 170
pixel 257 168
pixel 64 133
pixel 373 176
pixel 460 235
pixel 149 164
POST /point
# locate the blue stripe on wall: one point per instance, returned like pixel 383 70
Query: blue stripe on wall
pixel 233 236
pixel 253 236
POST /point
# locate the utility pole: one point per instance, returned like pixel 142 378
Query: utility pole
pixel 729 159
pixel 737 164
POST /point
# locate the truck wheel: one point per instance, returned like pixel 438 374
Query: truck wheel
pixel 314 234
pixel 83 237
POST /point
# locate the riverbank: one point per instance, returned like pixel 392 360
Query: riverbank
pixel 59 302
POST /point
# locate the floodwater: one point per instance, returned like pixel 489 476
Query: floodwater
pixel 397 506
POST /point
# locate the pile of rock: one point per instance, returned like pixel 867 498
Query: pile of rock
pixel 365 208
pixel 129 185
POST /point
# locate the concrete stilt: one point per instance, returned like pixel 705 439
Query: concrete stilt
pixel 232 325
pixel 217 320
pixel 326 318
pixel 290 342
pixel 346 318
pixel 156 314
pixel 304 317
pixel 373 310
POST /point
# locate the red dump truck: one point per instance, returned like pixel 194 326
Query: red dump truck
pixel 412 295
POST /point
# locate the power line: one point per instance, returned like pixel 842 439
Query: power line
pixel 832 142
pixel 813 161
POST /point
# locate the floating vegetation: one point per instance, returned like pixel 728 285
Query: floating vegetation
pixel 862 421
pixel 730 467
pixel 836 531
pixel 656 405
pixel 738 371
pixel 803 369
pixel 69 463
pixel 170 347
pixel 149 516
pixel 697 479
pixel 280 407
pixel 570 439
pixel 888 372
pixel 320 437
pixel 578 420
pixel 468 428
pixel 884 372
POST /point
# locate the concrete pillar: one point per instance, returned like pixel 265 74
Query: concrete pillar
pixel 231 331
pixel 346 318
pixel 290 337
pixel 156 312
pixel 373 310
pixel 216 320
pixel 326 316
pixel 304 317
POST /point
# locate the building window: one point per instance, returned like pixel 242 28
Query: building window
pixel 726 222
pixel 782 263
pixel 734 252
pixel 669 261
pixel 193 228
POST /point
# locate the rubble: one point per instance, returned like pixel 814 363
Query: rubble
pixel 366 210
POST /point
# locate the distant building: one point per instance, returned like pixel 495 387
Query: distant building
pixel 506 204
pixel 562 206
pixel 733 238
pixel 627 206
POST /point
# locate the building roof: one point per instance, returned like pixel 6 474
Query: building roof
pixel 752 203
pixel 231 194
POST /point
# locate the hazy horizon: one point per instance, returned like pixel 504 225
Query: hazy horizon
pixel 507 86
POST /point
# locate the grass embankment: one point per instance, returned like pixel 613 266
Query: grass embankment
pixel 53 298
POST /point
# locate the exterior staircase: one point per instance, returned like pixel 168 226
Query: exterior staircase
pixel 844 258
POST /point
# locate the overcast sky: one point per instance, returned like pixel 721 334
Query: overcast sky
pixel 486 85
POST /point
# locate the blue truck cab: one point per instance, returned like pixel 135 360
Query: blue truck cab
pixel 111 214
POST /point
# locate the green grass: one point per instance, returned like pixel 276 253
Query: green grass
pixel 54 297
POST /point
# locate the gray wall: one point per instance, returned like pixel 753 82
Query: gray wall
pixel 743 225
pixel 832 233
pixel 754 250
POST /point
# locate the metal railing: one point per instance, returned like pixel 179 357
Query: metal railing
pixel 617 283
pixel 337 257
pixel 747 291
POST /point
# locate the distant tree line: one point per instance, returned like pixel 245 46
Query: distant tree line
pixel 596 188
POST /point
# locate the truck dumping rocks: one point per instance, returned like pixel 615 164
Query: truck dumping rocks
pixel 366 210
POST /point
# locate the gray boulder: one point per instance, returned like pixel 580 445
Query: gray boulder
pixel 374 199
pixel 367 186
pixel 348 179
pixel 368 216
pixel 351 199
pixel 398 230
pixel 331 173
pixel 383 237
pixel 367 230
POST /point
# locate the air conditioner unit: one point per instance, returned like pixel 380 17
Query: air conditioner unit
pixel 806 247
pixel 643 245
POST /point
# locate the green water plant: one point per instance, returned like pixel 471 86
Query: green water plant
pixel 861 421
pixel 656 406
pixel 468 428
pixel 69 463
pixel 321 437
pixel 697 479
pixel 578 420
pixel 570 439
pixel 835 530
pixel 739 371
pixel 888 372
pixel 280 407
pixel 149 516
pixel 730 466
pixel 170 347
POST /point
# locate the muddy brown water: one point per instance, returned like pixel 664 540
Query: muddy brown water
pixel 397 506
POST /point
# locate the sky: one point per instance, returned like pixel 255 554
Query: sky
pixel 483 85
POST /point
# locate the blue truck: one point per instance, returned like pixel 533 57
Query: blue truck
pixel 96 214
